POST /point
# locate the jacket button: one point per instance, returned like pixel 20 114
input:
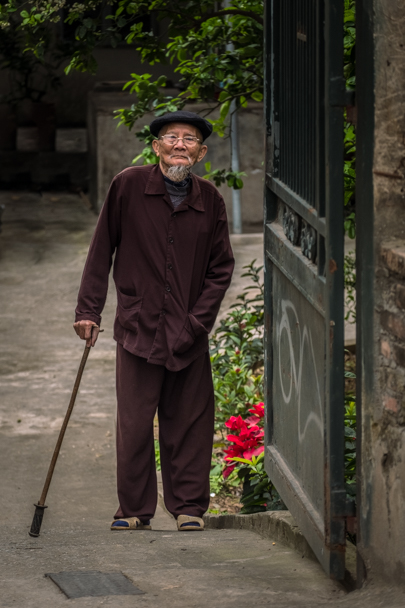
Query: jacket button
pixel 163 313
pixel 171 240
pixel 168 288
pixel 174 214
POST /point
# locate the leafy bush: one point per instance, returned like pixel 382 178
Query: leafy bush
pixel 235 392
pixel 237 359
pixel 218 483
pixel 258 494
pixel 237 353
pixel 246 456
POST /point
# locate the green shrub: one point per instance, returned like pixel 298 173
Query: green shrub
pixel 259 494
pixel 237 353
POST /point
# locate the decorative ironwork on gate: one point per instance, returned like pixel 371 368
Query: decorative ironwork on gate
pixel 304 330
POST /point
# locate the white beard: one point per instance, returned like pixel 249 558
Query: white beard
pixel 177 173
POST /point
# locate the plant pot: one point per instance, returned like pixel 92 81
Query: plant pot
pixel 44 116
pixel 8 127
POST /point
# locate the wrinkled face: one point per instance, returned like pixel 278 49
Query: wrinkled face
pixel 181 152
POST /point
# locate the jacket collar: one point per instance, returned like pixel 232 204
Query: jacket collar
pixel 156 185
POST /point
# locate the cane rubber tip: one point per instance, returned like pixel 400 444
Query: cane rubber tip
pixel 37 520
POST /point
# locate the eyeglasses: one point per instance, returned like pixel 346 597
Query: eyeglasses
pixel 188 140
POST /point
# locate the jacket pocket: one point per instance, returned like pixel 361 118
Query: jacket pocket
pixel 185 340
pixel 128 310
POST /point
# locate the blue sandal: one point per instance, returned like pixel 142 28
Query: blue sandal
pixel 188 523
pixel 130 523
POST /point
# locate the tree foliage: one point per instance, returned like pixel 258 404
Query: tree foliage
pixel 31 75
pixel 216 50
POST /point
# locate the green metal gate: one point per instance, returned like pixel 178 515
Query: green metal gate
pixel 304 327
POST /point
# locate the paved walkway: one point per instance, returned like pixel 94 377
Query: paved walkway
pixel 42 251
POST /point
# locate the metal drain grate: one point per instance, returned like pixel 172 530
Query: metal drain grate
pixel 93 584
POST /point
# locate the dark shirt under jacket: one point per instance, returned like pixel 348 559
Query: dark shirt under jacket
pixel 177 190
pixel 171 268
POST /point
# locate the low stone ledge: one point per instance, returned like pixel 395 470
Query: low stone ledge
pixel 275 525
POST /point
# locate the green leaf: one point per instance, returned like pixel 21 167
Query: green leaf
pixel 245 460
pixel 161 81
pixel 257 96
pixel 88 23
pixel 81 32
pixel 243 102
pixel 224 110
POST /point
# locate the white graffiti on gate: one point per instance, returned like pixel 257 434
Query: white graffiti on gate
pixel 296 378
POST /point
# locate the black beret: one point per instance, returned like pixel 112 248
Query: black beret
pixel 182 116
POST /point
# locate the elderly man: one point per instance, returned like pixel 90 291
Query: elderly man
pixel 173 263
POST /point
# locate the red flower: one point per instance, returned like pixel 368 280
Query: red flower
pixel 249 441
pixel 235 423
pixel 258 414
pixel 228 470
pixel 252 421
pixel 253 452
pixel 258 410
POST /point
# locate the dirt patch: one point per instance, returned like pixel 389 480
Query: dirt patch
pixel 225 504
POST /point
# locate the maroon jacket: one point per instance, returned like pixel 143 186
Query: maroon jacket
pixel 171 267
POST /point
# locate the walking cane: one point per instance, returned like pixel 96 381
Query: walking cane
pixel 40 506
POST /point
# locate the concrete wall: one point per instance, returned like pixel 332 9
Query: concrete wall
pixel 112 150
pixel 381 229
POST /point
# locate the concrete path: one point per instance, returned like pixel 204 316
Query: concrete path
pixel 42 251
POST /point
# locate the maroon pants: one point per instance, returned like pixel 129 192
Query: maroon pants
pixel 185 403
